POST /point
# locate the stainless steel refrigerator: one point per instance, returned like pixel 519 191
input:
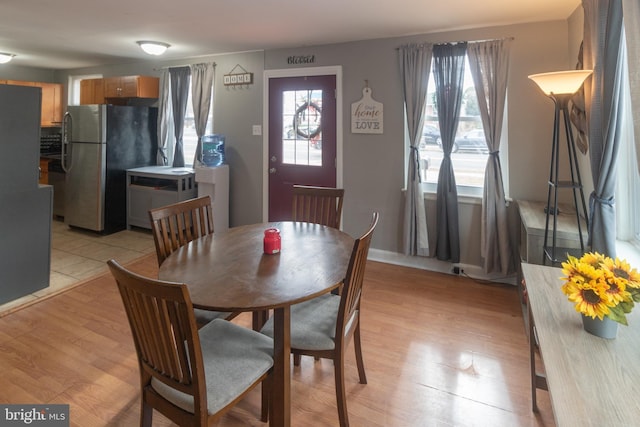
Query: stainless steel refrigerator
pixel 100 142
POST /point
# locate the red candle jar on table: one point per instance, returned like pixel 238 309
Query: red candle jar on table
pixel 272 241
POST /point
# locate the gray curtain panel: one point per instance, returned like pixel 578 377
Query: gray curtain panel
pixel 163 119
pixel 202 77
pixel 415 65
pixel 631 12
pixel 603 52
pixel 180 79
pixel 489 64
pixel 448 61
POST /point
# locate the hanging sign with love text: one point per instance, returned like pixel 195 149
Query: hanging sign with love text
pixel 366 114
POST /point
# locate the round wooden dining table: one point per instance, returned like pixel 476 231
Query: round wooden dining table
pixel 228 271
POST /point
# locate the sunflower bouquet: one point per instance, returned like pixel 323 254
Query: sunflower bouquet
pixel 601 286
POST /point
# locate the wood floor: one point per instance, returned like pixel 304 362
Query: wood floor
pixel 439 350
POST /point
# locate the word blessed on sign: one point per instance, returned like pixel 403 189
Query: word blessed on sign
pixel 301 59
pixel 366 114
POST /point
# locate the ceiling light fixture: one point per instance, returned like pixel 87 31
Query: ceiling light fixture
pixel 5 57
pixel 153 48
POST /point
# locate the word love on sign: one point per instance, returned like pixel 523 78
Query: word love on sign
pixel 366 114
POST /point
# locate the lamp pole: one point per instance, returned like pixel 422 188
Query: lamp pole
pixel 560 86
pixel 561 103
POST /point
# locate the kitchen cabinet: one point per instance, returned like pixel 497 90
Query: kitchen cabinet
pixel 44 171
pixel 51 106
pixel 91 91
pixel 20 83
pixel 109 90
pixel 131 87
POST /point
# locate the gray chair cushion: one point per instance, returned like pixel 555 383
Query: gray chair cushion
pixel 206 316
pixel 313 323
pixel 234 358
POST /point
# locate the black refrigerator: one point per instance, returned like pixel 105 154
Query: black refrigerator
pixel 100 142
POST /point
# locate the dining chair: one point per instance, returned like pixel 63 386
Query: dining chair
pixel 192 376
pixel 323 326
pixel 319 205
pixel 177 224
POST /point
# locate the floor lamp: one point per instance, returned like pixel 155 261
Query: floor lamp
pixel 560 86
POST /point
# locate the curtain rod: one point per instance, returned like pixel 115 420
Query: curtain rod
pixel 184 65
pixel 456 42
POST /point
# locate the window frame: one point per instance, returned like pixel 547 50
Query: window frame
pixel 171 142
pixel 467 190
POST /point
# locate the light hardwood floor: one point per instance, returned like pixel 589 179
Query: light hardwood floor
pixel 439 350
pixel 77 255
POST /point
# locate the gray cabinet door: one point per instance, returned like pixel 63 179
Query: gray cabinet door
pixel 19 138
pixel 25 250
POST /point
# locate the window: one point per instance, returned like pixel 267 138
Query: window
pixel 628 184
pixel 301 127
pixel 469 153
pixel 189 135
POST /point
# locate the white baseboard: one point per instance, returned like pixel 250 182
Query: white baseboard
pixel 433 264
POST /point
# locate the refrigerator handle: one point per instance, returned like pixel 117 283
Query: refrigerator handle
pixel 66 131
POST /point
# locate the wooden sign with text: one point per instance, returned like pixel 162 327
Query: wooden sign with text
pixel 367 114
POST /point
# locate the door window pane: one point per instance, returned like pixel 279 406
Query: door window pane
pixel 302 127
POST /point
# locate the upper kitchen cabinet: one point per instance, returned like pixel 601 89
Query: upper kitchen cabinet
pixel 91 91
pixel 20 83
pixel 131 87
pixel 116 90
pixel 51 114
pixel 51 104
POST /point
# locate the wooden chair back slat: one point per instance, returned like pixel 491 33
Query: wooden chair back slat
pixel 175 225
pixel 318 205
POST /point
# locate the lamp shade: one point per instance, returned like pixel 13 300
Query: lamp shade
pixel 153 48
pixel 5 57
pixel 561 82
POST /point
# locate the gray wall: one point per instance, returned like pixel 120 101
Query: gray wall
pixel 374 164
pixel 10 71
pixel 374 171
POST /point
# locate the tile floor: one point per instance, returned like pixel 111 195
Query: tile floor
pixel 77 255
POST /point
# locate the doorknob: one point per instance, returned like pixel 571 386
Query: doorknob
pixel 274 159
pixel 272 170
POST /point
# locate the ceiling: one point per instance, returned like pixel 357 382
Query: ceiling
pixel 63 34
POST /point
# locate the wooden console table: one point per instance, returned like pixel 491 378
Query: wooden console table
pixel 591 381
pixel 532 219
